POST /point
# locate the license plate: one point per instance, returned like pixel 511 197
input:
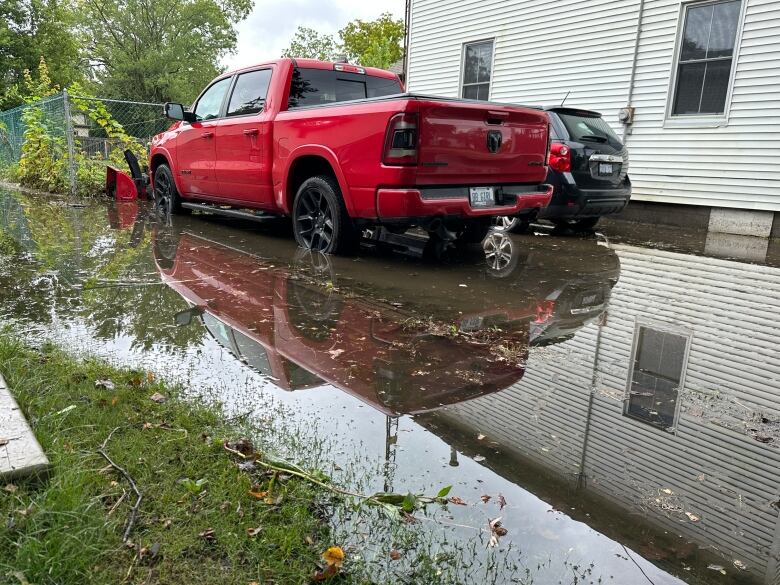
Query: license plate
pixel 605 168
pixel 482 197
pixel 589 300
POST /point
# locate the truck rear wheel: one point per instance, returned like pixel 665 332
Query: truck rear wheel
pixel 320 219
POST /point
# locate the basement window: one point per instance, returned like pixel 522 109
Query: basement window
pixel 477 70
pixel 657 375
pixel 705 60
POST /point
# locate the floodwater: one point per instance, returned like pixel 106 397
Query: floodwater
pixel 614 398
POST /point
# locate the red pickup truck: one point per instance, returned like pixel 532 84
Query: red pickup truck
pixel 340 148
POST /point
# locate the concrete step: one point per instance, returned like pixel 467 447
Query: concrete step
pixel 20 454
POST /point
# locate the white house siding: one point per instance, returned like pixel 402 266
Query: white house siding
pixel 545 49
pixel 712 467
pixel 730 166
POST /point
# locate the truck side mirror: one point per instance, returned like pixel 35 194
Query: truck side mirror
pixel 186 317
pixel 176 111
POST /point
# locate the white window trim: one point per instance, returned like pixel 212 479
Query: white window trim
pixel 699 120
pixel 463 64
pixel 662 328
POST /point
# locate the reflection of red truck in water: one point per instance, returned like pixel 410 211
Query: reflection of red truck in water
pixel 300 332
pixel 292 324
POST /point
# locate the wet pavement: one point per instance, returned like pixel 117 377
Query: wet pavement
pixel 615 398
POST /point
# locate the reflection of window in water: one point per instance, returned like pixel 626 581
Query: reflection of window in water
pixel 658 365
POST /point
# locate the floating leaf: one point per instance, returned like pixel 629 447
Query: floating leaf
pixel 444 492
pixel 334 556
pixel 457 500
pixel 692 517
pixel 485 499
pixel 501 502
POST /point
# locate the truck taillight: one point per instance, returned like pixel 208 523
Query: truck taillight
pixel 560 157
pixel 401 140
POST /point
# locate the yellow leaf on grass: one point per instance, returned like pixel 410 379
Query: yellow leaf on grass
pixel 334 556
pixel 258 495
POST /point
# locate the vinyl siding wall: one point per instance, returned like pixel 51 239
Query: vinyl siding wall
pixel 712 467
pixel 544 50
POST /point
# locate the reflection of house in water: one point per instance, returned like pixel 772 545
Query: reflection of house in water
pixel 695 444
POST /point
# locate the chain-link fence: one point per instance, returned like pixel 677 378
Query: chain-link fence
pixel 82 127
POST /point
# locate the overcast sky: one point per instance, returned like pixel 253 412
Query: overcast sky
pixel 270 26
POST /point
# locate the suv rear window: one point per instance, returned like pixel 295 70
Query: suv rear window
pixel 588 127
pixel 316 87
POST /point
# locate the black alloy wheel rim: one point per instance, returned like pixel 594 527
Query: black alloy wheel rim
pixel 314 220
pixel 163 193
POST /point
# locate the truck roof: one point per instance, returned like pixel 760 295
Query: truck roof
pixel 314 64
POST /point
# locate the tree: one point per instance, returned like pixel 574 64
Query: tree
pixel 375 43
pixel 31 30
pixel 307 43
pixel 159 50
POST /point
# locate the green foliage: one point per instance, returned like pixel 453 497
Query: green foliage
pixel 307 43
pixel 43 161
pixel 69 530
pixel 29 31
pixel 374 43
pixel 159 50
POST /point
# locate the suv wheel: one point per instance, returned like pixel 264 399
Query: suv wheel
pixel 515 225
pixel 320 220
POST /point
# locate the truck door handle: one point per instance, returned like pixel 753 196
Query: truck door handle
pixel 251 132
pixel 207 135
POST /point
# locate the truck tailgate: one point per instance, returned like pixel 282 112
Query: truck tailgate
pixel 472 143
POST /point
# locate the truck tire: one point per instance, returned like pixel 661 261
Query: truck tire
pixel 475 231
pixel 320 219
pixel 166 196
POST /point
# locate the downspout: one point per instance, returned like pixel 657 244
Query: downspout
pixel 582 476
pixel 632 78
pixel 407 31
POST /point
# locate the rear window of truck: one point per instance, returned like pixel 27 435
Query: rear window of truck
pixel 586 127
pixel 317 87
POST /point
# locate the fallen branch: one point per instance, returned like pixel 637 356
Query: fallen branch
pixel 134 512
pixel 390 502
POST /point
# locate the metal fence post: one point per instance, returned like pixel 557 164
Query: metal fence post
pixel 69 140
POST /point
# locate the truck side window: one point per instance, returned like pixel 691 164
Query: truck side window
pixel 210 102
pixel 249 93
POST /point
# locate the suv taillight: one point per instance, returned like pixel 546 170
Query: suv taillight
pixel 560 157
pixel 401 140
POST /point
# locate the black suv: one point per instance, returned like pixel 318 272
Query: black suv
pixel 588 168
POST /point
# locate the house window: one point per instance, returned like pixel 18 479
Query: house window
pixel 477 68
pixel 706 56
pixel 656 376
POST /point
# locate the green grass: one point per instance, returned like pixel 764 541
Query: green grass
pixel 69 528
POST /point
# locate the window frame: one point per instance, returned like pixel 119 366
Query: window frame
pixel 660 328
pixel 700 120
pixel 232 87
pixel 461 76
pixel 223 105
